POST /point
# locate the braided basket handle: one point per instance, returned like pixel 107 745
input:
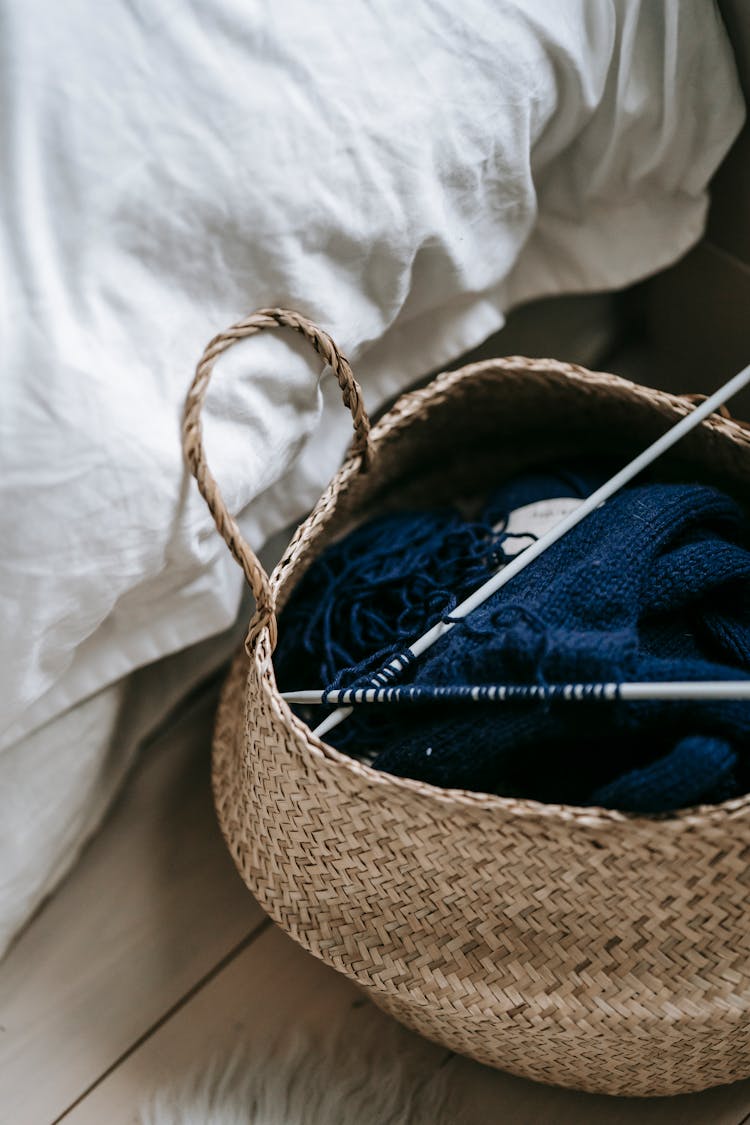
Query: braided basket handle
pixel 696 399
pixel 195 454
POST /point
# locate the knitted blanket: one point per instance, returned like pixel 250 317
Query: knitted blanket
pixel 655 585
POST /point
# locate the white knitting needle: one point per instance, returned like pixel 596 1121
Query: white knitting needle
pixel 500 693
pixel 522 560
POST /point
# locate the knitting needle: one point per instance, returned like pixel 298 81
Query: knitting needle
pixel 511 569
pixel 499 693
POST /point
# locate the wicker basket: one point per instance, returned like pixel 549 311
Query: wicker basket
pixel 576 946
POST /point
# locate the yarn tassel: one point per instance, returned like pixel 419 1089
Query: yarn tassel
pixel 372 591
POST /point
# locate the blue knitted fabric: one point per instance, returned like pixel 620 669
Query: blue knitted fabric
pixel 372 592
pixel 655 585
pixel 393 577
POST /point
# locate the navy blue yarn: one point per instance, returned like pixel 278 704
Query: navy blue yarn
pixel 653 586
pixel 394 577
pixel 375 590
pixel 599 615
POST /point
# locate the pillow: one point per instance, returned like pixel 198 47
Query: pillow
pixel 403 175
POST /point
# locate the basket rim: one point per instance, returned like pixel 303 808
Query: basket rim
pixel 398 416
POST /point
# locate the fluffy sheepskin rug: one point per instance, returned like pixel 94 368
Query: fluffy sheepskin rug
pixel 383 1077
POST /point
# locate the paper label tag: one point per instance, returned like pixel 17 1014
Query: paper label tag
pixel 533 520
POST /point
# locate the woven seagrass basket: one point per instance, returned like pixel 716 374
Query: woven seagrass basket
pixel 582 947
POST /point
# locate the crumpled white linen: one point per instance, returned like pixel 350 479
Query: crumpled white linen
pixel 403 174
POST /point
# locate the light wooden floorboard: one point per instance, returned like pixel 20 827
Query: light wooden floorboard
pixel 273 988
pixel 270 989
pixel 151 908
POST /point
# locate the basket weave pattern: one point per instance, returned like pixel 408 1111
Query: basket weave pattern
pixel 583 947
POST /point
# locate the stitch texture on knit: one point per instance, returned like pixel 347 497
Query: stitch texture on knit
pixel 655 585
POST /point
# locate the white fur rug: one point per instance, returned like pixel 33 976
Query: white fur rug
pixel 384 1076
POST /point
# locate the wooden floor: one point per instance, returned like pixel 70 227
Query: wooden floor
pixel 152 958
